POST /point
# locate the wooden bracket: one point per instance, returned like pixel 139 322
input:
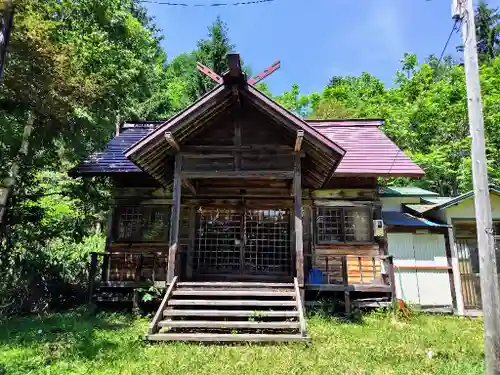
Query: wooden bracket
pixel 172 142
pixel 270 70
pixel 209 73
pixel 298 140
pixel 187 183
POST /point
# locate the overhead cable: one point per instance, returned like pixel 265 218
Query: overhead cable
pixel 251 2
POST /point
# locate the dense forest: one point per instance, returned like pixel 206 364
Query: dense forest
pixel 77 69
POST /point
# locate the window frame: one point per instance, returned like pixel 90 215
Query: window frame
pixel 119 210
pixel 368 209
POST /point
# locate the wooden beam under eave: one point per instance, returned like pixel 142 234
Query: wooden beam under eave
pixel 298 140
pixel 172 142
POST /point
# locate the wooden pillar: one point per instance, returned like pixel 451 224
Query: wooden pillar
pixel 459 306
pixel 392 279
pixel 109 240
pixel 174 219
pixel 298 225
pixel 191 240
pixel 345 281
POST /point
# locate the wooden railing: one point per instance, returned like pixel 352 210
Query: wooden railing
pixel 348 269
pixel 128 266
pixel 153 326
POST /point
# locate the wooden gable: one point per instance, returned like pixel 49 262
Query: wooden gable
pixel 239 129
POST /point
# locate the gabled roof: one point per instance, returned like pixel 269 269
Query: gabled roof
pixel 441 203
pixel 405 191
pixel 461 198
pixel 152 152
pixel 366 151
pixel 369 151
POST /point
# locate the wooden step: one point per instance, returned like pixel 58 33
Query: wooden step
pixel 227 325
pixel 222 337
pixel 229 302
pixel 232 293
pixel 233 313
pixel 240 284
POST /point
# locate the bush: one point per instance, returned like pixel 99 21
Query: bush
pixel 54 277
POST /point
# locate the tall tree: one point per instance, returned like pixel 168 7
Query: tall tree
pixel 187 84
pixel 76 69
pixel 488 32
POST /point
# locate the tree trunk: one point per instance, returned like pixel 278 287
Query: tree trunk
pixel 9 183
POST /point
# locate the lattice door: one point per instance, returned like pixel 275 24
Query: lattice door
pixel 267 242
pixel 242 242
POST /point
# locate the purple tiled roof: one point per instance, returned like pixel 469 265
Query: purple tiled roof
pixel 369 152
pixel 112 159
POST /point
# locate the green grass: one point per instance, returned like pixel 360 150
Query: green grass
pixel 81 343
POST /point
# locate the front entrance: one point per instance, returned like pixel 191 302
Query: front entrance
pixel 241 243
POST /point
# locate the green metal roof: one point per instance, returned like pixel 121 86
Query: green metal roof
pixel 406 191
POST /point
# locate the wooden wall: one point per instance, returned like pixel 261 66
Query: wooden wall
pixel 360 262
pixel 361 265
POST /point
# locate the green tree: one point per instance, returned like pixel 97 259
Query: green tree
pixel 76 69
pixel 425 114
pixel 187 84
pixel 488 32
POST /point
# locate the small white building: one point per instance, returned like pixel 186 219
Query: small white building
pixel 459 214
pixel 422 265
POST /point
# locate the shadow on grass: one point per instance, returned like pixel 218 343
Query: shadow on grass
pixel 79 332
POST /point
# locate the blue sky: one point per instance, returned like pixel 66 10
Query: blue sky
pixel 316 39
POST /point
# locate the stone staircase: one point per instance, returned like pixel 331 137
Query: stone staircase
pixel 229 312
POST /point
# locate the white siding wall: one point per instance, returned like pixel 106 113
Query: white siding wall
pixel 394 203
pixel 465 209
pixel 415 284
pixel 401 246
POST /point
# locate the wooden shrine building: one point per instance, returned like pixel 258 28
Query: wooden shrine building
pixel 236 197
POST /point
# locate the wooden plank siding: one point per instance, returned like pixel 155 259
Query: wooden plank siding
pixel 360 265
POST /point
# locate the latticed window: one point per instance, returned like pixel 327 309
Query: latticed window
pixel 343 224
pixel 142 223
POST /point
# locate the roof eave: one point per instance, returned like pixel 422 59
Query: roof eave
pixel 463 197
pixel 311 134
pixel 173 121
pixel 375 174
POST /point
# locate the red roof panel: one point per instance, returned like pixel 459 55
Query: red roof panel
pixel 369 152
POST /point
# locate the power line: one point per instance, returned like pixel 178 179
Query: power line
pixel 251 2
pixel 454 29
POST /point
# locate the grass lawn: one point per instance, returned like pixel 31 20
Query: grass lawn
pixel 80 343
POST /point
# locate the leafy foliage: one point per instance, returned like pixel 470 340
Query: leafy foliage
pixel 488 32
pixel 77 69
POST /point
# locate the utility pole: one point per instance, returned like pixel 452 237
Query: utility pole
pixel 463 10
